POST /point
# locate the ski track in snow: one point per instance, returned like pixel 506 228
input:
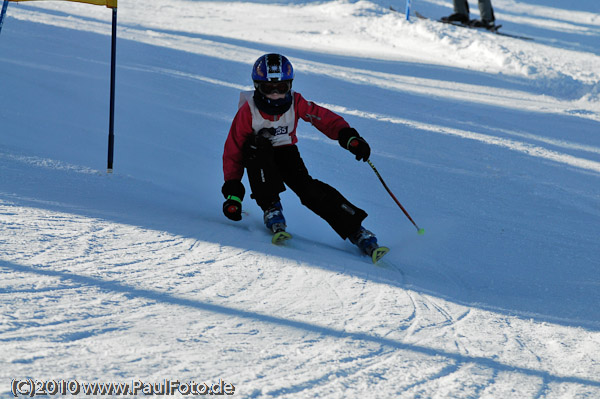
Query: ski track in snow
pixel 120 278
pixel 93 284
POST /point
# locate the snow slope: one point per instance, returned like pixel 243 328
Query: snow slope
pixel 491 143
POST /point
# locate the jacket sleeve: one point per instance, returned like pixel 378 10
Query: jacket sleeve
pixel 241 128
pixel 325 120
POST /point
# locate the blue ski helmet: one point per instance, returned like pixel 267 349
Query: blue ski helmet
pixel 272 68
pixel 273 73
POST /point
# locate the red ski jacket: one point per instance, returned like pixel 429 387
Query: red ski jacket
pixel 249 119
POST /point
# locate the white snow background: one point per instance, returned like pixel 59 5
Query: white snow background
pixel 492 144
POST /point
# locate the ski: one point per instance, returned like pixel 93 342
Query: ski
pixel 280 237
pixel 379 253
pixel 279 233
pixel 376 252
pixel 494 29
pixel 514 36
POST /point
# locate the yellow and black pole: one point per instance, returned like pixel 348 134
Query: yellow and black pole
pixel 111 124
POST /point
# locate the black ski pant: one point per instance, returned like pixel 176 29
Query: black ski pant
pixel 270 169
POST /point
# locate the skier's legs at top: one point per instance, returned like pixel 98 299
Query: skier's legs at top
pixel 461 13
pixel 461 7
pixel 486 11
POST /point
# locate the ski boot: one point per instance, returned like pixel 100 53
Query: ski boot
pixel 456 18
pixel 367 242
pixel 482 23
pixel 275 222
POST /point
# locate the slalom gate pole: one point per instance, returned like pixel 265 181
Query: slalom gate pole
pixel 3 13
pixel 408 10
pixel 111 122
pixel 419 230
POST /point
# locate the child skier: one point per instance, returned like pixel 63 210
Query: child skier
pixel 262 140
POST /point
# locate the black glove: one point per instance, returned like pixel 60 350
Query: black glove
pixel 351 140
pixel 258 146
pixel 233 191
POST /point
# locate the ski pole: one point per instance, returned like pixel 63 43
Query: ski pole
pixel 419 230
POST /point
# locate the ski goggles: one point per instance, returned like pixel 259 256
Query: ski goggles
pixel 281 87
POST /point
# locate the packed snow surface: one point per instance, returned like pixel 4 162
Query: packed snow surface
pixel 491 143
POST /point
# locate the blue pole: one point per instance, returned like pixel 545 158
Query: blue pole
pixel 408 10
pixel 3 13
